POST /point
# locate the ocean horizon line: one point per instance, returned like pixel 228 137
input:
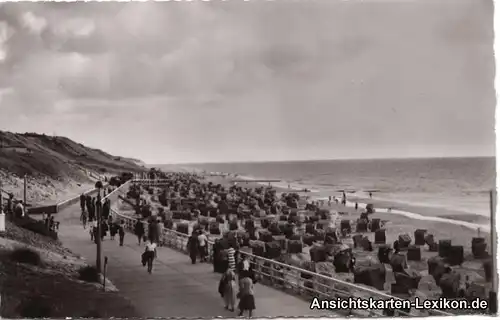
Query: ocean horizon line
pixel 322 160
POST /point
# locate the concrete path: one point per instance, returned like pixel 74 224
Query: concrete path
pixel 176 288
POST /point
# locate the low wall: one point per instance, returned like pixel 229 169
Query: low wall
pixel 44 209
pixel 56 208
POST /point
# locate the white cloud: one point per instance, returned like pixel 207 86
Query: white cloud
pixel 34 23
pixel 76 27
pixel 5 33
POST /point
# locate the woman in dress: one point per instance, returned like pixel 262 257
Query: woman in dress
pixel 246 295
pixel 229 289
pixel 139 230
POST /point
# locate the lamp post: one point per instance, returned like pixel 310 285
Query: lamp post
pixel 98 186
pixel 2 214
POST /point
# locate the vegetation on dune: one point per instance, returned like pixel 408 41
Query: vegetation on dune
pixel 57 157
pixel 39 278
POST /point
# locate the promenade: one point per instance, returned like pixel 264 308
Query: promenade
pixel 176 288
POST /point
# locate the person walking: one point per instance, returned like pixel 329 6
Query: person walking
pixel 216 254
pixel 104 229
pixel 121 232
pixel 202 242
pixel 231 258
pixel 159 232
pixel 192 246
pixel 229 289
pixel 82 202
pixel 153 231
pixel 139 230
pixel 246 296
pixel 84 218
pixel 149 255
pixel 10 204
pixel 245 269
pixel 94 231
pixel 19 210
pixel 113 230
pixel 91 210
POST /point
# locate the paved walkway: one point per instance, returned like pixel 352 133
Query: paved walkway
pixel 176 288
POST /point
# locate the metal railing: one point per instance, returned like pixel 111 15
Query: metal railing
pixel 149 182
pixel 288 278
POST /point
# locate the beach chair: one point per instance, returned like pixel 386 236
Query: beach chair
pixel 380 237
pixel 444 248
pixel 420 237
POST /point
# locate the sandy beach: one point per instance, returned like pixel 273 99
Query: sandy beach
pixel 394 224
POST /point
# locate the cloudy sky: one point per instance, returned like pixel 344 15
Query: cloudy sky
pixel 246 81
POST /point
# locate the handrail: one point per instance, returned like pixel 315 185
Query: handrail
pixel 181 238
pixel 75 199
pixel 112 193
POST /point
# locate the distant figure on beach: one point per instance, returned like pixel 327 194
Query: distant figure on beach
pixel 389 209
pixel 370 195
pixel 356 206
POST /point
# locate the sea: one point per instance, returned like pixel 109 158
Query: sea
pixel 460 185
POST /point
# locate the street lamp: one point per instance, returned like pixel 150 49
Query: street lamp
pixel 98 186
pixel 2 214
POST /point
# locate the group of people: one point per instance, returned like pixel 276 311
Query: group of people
pixel 14 208
pixel 245 276
pixel 197 245
pixel 50 223
pixel 114 228
pixel 89 206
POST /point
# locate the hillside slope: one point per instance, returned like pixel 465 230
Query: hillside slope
pixel 53 287
pixel 56 166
